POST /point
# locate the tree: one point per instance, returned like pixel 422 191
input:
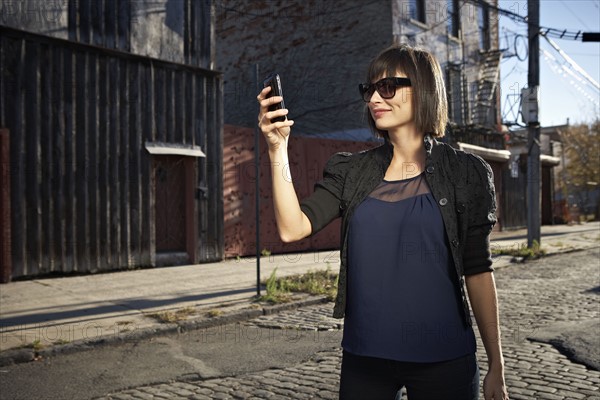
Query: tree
pixel 581 146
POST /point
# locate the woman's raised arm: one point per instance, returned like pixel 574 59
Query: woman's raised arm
pixel 292 223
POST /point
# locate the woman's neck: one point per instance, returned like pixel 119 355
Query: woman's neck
pixel 408 147
pixel 409 156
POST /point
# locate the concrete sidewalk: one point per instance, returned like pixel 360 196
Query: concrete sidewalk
pixel 45 316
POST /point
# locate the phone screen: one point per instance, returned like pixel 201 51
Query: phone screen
pixel 274 81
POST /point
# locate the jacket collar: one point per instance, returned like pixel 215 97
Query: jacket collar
pixel 387 149
pixel 429 142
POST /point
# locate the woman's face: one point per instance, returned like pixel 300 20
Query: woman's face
pixel 395 113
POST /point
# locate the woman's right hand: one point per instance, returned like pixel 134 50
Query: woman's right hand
pixel 276 133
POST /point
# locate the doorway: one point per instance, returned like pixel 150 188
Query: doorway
pixel 175 232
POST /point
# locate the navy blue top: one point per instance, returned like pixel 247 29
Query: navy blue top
pixel 403 301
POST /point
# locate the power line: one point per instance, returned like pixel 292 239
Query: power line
pixel 576 81
pixel 515 67
pixel 584 55
pixel 572 63
pixel 552 32
pixel 575 15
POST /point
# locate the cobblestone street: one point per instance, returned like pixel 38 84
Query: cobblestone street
pixel 532 295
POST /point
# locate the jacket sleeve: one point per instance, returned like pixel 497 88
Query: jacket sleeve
pixel 477 255
pixel 323 206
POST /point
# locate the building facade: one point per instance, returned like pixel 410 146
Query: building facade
pixel 113 113
pixel 322 49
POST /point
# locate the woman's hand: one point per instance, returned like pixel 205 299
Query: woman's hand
pixel 494 387
pixel 276 133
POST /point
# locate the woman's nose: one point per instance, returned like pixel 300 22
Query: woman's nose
pixel 375 98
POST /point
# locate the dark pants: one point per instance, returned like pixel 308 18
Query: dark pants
pixel 377 378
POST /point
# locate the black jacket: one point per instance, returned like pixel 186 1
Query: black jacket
pixel 461 183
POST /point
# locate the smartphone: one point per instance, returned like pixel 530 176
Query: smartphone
pixel 274 81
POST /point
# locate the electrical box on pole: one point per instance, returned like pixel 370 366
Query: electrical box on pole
pixel 530 103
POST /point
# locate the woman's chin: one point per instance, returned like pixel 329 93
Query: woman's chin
pixel 382 126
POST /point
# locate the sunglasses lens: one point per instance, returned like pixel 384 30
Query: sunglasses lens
pixel 387 90
pixel 366 91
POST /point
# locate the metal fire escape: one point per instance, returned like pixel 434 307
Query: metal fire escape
pixel 486 87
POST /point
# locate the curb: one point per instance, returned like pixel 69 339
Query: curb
pixel 23 355
pixel 503 260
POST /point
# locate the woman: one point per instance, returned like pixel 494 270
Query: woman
pixel 416 218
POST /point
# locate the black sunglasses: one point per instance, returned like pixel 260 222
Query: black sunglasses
pixel 386 88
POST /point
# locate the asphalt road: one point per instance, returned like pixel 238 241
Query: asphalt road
pixel 555 301
pixel 207 353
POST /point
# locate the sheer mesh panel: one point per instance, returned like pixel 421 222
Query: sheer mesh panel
pixel 392 191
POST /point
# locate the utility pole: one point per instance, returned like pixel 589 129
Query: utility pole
pixel 533 142
pixel 257 187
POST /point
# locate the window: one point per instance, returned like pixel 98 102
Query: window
pixel 416 10
pixel 454 83
pixel 483 20
pixel 453 18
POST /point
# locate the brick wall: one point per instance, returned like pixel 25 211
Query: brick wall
pixel 321 49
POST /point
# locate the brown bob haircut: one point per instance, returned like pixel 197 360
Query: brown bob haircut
pixel 429 92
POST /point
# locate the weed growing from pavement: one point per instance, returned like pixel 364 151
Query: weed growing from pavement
pixel 524 252
pixel 214 313
pixel 313 282
pixel 277 291
pixel 36 345
pixel 265 253
pixel 125 326
pixel 173 316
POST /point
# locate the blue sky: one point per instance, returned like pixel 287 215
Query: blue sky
pixel 563 95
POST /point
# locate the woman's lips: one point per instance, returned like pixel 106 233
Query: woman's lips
pixel 378 113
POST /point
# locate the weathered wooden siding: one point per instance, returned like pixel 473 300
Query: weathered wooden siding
pixel 5 228
pixel 81 180
pixel 104 23
pixel 515 197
